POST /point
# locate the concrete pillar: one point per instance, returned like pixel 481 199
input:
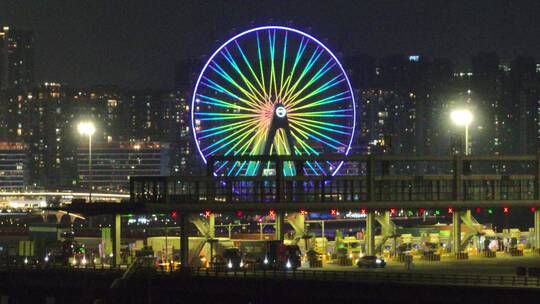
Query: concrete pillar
pixel 184 241
pixel 370 234
pixel 116 235
pixel 537 230
pixel 456 232
pixel 466 217
pixel 388 228
pixel 212 226
pixel 44 216
pixel 474 230
pixel 59 216
pixel 297 222
pixel 279 226
pixel 205 225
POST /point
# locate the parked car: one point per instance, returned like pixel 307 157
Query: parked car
pixel 371 261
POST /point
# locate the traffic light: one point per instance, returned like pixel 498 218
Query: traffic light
pixel 437 212
pixel 490 211
pixel 506 210
pixel 533 209
pixel 333 212
pixel 393 211
pixel 478 210
pixel 239 213
pixel 303 212
pixel 271 213
pixel 450 210
pixel 173 214
pixel 207 213
pixel 421 211
pixel 363 211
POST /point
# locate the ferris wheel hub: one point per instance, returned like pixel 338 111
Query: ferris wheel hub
pixel 281 111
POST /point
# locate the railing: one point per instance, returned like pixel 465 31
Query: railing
pixel 409 277
pixel 56 267
pixel 377 179
pixel 377 276
pixel 332 190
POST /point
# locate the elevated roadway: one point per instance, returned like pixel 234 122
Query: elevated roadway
pixel 373 183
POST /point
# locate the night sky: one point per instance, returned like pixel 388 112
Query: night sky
pixel 136 43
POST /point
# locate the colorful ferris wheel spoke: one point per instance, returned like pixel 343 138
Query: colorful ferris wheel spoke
pixel 252 88
pixel 227 140
pixel 290 93
pixel 339 97
pixel 218 88
pixel 273 91
pixel 249 66
pixel 320 128
pixel 249 98
pixel 322 72
pixel 328 113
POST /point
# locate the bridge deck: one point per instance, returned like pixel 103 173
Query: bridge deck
pixel 378 182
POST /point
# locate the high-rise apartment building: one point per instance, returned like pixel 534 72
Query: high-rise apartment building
pixel 13 165
pixel 16 59
pixel 400 99
pixel 524 94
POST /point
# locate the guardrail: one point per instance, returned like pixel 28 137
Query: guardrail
pixel 67 268
pixel 409 277
pixel 378 276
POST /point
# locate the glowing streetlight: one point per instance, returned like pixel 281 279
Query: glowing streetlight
pixel 463 118
pixel 88 129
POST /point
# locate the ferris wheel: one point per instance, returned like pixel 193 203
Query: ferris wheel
pixel 273 90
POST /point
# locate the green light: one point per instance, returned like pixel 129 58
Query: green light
pixel 437 212
pixel 490 211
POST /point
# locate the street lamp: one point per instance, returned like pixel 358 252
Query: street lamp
pixel 88 128
pixel 463 118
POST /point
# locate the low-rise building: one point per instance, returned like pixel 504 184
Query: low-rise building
pixel 112 164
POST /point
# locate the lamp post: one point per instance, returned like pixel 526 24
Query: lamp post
pixel 463 118
pixel 88 128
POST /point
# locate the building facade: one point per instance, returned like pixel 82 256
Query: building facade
pixel 112 164
pixel 16 59
pixel 13 166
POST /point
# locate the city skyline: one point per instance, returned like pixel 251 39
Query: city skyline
pixel 266 151
pixel 403 106
pixel 138 45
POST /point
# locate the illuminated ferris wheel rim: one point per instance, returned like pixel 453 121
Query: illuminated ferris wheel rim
pixel 262 28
